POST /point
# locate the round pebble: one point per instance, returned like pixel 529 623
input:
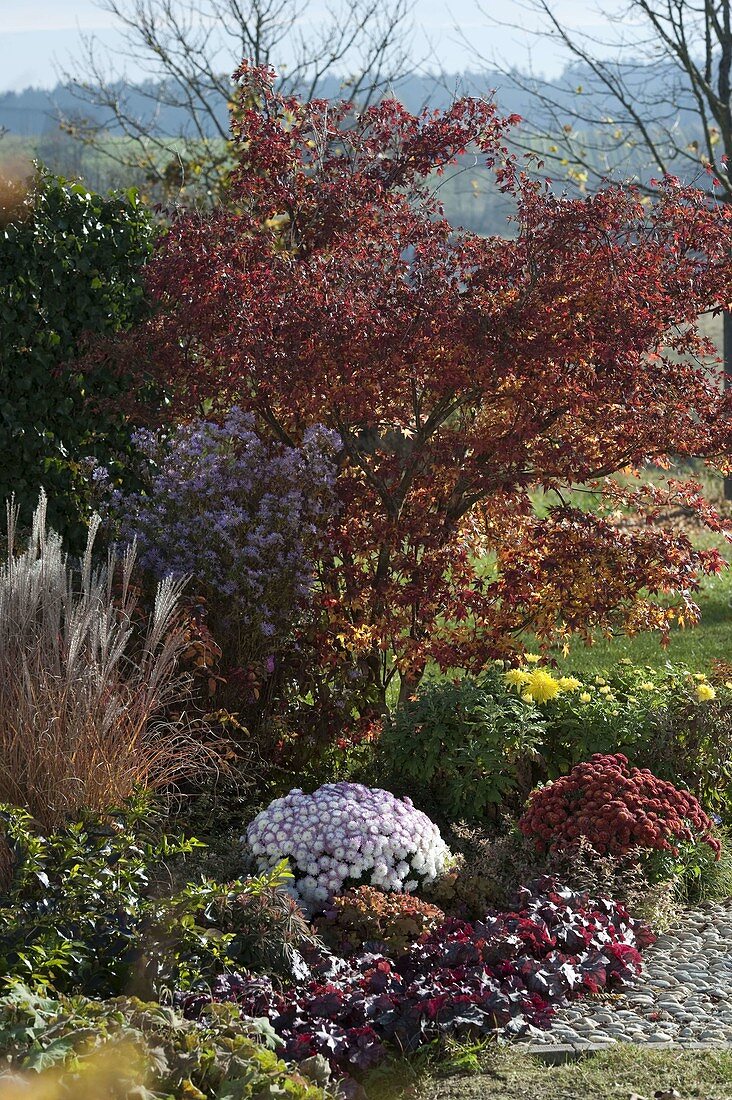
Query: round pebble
pixel 683 995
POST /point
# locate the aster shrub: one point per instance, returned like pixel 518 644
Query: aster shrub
pixel 498 975
pixel 618 808
pixel 367 918
pixel 466 748
pixel 345 834
pixel 242 516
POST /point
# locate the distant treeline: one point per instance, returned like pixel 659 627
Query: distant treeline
pixel 35 111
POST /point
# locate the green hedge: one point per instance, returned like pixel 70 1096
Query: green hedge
pixel 70 265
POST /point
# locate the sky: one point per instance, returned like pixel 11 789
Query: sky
pixel 39 38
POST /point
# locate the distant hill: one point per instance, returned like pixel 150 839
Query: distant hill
pixel 35 111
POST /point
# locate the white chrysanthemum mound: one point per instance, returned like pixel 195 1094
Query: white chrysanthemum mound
pixel 345 834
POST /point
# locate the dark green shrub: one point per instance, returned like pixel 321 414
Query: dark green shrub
pixel 70 265
pixel 463 749
pixel 126 1049
pixel 92 909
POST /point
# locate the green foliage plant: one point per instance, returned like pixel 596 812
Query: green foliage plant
pixel 128 1049
pixel 667 718
pixel 91 908
pixel 691 744
pixel 465 748
pixel 705 878
pixel 493 865
pixel 607 712
pixel 490 864
pixel 71 264
pixel 265 926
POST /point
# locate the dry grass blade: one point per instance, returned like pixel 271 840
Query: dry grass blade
pixel 83 702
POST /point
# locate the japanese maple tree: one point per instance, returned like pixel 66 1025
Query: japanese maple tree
pixel 459 372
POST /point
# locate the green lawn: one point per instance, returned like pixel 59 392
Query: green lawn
pixel 696 647
pixel 616 1074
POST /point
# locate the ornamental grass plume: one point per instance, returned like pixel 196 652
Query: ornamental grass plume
pixel 83 697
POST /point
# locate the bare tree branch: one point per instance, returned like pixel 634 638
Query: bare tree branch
pixel 656 97
pixel 187 50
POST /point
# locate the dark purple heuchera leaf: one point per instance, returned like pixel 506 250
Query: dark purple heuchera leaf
pixel 501 974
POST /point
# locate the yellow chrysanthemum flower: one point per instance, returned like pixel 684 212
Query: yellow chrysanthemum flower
pixel 569 683
pixel 585 697
pixel 648 686
pixel 599 680
pixel 532 658
pixel 527 697
pixel 705 693
pixel 542 687
pixel 516 677
pixel 728 685
pixel 699 676
pixel 604 690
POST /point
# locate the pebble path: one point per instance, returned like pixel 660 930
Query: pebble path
pixel 683 996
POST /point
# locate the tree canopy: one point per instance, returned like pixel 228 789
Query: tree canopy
pixel 461 374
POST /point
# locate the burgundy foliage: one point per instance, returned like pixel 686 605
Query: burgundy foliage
pixel 501 974
pixel 457 372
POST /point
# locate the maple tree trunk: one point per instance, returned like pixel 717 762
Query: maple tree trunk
pixel 727 353
pixel 408 686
